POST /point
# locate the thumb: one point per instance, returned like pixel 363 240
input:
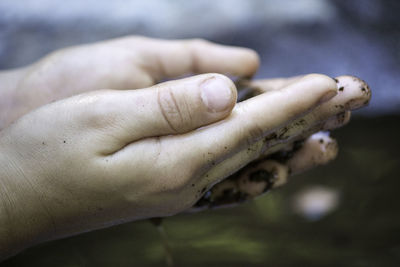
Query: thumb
pixel 173 107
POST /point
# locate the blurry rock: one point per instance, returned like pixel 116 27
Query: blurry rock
pixel 315 202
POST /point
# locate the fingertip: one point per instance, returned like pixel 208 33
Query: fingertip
pixel 318 149
pixel 327 146
pixel 357 88
pixel 259 179
pixel 251 62
pixel 232 60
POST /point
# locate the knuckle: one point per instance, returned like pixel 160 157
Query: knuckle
pixel 177 116
pixel 96 111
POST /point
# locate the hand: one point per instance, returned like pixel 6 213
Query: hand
pixel 110 156
pixel 125 63
pixel 294 148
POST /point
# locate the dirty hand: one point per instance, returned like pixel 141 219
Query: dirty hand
pixel 125 63
pixel 111 156
pixel 292 148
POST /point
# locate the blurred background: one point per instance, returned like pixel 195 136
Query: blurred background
pixel 343 214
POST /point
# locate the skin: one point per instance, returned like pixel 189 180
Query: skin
pixel 110 156
pixel 317 149
pixel 126 63
pixel 259 177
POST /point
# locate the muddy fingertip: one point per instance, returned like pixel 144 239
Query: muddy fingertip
pixel 262 177
pixel 358 87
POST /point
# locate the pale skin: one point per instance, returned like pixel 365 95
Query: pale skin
pixel 90 138
pixel 283 156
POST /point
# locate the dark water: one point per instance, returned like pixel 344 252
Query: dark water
pixel 364 230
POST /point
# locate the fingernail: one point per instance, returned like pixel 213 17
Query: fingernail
pixel 216 94
pixel 327 97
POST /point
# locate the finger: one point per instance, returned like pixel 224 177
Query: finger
pixel 174 58
pixel 212 153
pixel 318 149
pixel 250 88
pixel 337 121
pixel 252 181
pixel 266 85
pixel 251 121
pixel 173 107
pixel 224 193
pixel 313 145
pixel 258 178
pixel 331 123
pixel 353 94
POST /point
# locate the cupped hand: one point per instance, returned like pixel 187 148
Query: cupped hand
pixel 125 63
pixel 111 156
pixel 292 148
